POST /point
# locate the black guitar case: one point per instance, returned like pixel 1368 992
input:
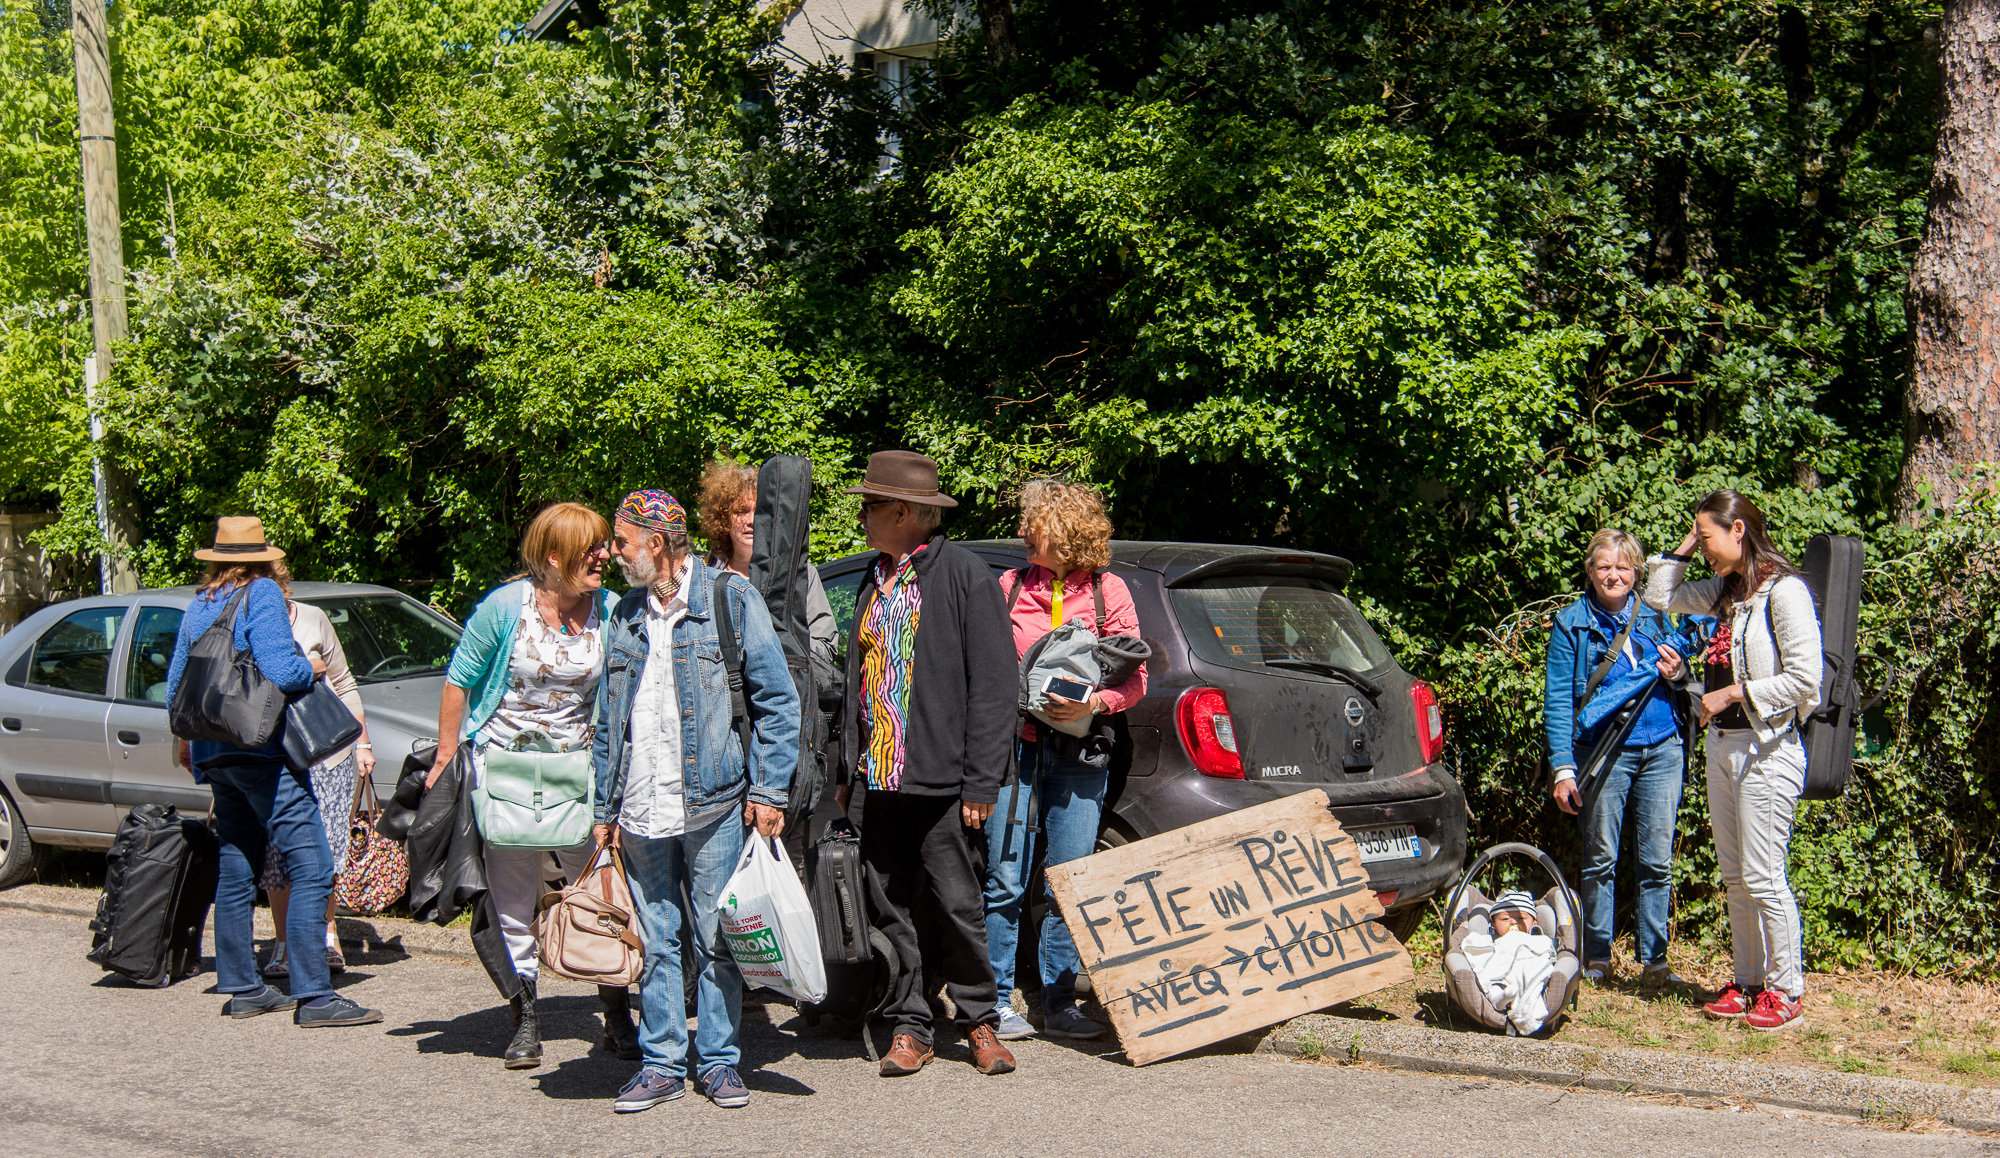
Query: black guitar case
pixel 1831 567
pixel 781 570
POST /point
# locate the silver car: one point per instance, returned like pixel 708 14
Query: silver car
pixel 83 714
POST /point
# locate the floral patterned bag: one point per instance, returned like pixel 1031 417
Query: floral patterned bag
pixel 378 869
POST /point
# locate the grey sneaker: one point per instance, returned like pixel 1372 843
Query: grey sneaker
pixel 1660 973
pixel 725 1089
pixel 337 1011
pixel 1069 1021
pixel 1012 1027
pixel 265 1000
pixel 1596 971
pixel 648 1088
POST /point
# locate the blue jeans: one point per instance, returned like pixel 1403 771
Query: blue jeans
pixel 257 805
pixel 1644 785
pixel 1072 803
pixel 706 857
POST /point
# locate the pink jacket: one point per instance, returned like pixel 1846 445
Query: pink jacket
pixel 1032 616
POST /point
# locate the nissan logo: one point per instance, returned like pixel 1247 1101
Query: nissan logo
pixel 1355 713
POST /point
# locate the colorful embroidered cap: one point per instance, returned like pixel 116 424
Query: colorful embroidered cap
pixel 655 510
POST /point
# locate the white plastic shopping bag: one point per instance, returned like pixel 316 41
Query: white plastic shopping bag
pixel 768 923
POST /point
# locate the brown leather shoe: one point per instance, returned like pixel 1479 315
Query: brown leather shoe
pixel 988 1055
pixel 906 1056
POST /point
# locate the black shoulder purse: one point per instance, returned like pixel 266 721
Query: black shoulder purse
pixel 317 724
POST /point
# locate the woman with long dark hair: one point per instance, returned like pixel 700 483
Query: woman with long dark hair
pixel 1761 681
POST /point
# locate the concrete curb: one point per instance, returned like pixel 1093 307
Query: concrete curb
pixel 1632 1070
pixel 391 936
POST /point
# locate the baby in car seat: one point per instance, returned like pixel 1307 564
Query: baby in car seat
pixel 1514 961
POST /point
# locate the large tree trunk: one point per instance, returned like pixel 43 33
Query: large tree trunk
pixel 996 18
pixel 1952 408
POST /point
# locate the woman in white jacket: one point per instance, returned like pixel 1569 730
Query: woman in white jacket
pixel 1762 680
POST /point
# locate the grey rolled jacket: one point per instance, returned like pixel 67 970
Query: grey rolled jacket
pixel 714 773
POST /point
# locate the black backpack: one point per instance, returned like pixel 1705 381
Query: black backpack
pixel 159 880
pixel 781 571
pixel 223 695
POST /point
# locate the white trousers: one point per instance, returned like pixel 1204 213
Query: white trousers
pixel 515 879
pixel 1753 788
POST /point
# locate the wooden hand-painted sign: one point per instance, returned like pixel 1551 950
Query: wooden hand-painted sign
pixel 1227 926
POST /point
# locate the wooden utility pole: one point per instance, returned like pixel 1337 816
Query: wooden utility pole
pixel 96 134
pixel 1951 410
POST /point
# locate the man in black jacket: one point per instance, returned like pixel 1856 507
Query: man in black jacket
pixel 929 716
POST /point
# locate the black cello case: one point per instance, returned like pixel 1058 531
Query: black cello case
pixel 1831 567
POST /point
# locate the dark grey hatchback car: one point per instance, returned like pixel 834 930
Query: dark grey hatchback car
pixel 1265 681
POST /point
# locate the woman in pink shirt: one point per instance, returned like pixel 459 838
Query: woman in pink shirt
pixel 1069 545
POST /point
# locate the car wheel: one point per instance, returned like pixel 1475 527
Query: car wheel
pixel 19 856
pixel 1403 924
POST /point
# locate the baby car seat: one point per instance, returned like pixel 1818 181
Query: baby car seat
pixel 1556 910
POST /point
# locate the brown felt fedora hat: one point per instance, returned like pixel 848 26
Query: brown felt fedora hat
pixel 240 540
pixel 904 475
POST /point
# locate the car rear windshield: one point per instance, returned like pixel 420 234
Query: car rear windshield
pixel 388 637
pixel 1248 621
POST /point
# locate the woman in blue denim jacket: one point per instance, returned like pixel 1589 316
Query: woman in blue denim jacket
pixel 1642 787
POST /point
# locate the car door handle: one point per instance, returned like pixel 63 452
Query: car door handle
pixel 11 723
pixel 128 738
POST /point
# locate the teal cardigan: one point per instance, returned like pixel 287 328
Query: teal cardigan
pixel 479 662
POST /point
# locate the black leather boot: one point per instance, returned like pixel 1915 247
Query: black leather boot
pixel 525 1051
pixel 620 1035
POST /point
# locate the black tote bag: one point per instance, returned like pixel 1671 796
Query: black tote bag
pixel 317 724
pixel 223 695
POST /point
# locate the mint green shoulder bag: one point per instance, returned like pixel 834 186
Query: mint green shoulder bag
pixel 535 797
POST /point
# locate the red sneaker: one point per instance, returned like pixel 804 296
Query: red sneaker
pixel 1775 1011
pixel 1732 1002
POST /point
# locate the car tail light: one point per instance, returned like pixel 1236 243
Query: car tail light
pixel 1430 721
pixel 1208 734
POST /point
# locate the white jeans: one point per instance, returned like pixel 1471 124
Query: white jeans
pixel 1753 788
pixel 515 881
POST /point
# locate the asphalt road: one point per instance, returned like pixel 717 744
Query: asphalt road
pixel 95 1067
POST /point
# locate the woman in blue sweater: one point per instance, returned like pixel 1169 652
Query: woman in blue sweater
pixel 258 801
pixel 1642 788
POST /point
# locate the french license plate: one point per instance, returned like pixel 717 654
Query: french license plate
pixel 1395 842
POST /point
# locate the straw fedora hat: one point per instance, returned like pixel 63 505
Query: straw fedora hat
pixel 904 475
pixel 240 540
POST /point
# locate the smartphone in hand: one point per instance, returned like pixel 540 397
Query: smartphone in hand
pixel 1060 688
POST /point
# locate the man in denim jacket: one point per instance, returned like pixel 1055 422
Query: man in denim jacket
pixel 673 788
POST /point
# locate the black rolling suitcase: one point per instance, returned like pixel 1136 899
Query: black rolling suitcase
pixel 159 881
pixel 839 895
pixel 1831 567
pixel 861 965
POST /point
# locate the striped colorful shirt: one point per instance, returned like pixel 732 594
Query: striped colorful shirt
pixel 888 651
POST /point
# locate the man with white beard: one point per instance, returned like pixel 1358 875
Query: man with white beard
pixel 675 790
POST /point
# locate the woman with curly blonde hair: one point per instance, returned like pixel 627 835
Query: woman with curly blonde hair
pixel 1068 540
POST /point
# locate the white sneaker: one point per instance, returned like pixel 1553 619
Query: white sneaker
pixel 276 966
pixel 1596 971
pixel 1012 1027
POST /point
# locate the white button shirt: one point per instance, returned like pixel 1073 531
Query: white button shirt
pixel 655 803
